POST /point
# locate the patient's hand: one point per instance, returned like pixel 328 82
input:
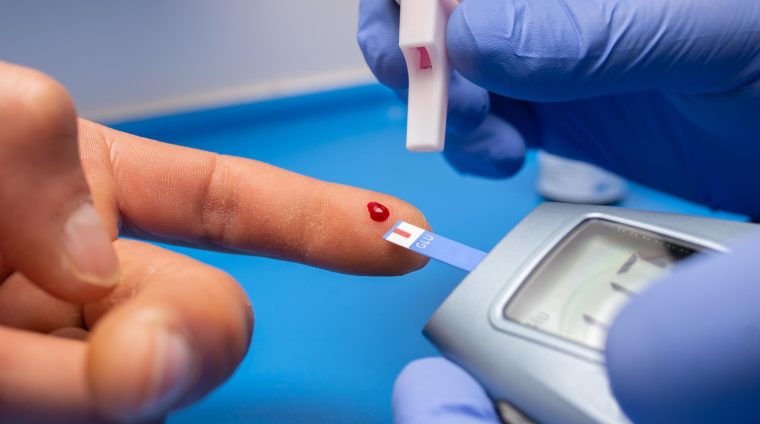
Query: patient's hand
pixel 96 328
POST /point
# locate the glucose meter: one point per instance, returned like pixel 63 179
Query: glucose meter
pixel 530 320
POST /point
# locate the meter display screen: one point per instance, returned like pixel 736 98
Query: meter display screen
pixel 579 287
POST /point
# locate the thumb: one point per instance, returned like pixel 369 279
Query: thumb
pixel 569 49
pixel 51 231
pixel 434 390
pixel 662 371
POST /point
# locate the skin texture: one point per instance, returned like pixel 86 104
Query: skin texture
pixel 185 325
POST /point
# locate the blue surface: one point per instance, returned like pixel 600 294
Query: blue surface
pixel 327 347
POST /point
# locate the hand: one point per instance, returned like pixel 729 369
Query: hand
pixel 146 330
pixel 664 93
pixel 683 351
pixel 686 350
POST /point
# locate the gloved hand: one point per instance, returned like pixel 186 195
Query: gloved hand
pixel 666 93
pixel 436 391
pixel 686 350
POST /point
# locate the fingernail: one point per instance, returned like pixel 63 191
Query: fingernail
pixel 171 374
pixel 88 247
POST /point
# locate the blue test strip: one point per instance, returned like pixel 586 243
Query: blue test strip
pixel 434 246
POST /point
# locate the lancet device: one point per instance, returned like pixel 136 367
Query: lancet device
pixel 529 322
pixel 422 39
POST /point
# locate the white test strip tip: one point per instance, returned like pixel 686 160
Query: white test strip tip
pixel 434 246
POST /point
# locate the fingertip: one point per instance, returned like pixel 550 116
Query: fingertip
pixel 434 372
pixel 468 105
pixel 625 353
pixel 181 335
pixel 87 245
pixel 651 361
pixel 142 370
pixel 378 40
pixel 471 39
pixel 39 102
pixel 428 386
pixel 52 234
pixel 399 260
pixel 494 150
pixel 81 264
pixel 423 372
pixel 488 44
pixel 389 67
pixel 347 239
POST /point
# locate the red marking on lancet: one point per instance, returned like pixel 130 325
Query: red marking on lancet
pixel 378 212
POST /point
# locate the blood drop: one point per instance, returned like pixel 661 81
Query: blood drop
pixel 378 212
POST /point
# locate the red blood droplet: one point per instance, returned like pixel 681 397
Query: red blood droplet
pixel 378 212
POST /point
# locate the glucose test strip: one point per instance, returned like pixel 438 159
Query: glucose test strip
pixel 434 246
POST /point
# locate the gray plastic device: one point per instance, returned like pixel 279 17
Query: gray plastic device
pixel 530 321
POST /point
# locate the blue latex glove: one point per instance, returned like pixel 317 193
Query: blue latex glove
pixel 436 391
pixel 664 92
pixel 686 350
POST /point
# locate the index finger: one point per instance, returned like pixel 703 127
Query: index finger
pixel 177 194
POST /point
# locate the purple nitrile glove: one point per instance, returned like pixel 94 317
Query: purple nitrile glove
pixel 436 391
pixel 665 93
pixel 688 349
pixel 685 350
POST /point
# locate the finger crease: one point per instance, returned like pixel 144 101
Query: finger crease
pixel 311 220
pixel 218 206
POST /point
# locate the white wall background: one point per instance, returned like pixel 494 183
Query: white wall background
pixel 132 58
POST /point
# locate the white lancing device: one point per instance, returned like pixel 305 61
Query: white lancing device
pixel 422 39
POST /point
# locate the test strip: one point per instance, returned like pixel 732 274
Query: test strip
pixel 434 246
